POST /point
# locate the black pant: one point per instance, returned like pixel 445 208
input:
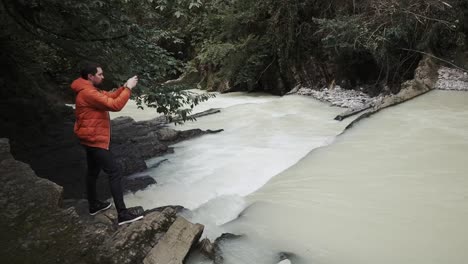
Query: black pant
pixel 98 159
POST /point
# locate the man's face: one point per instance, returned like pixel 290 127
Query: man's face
pixel 97 78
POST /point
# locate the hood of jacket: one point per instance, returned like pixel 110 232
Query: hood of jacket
pixel 80 84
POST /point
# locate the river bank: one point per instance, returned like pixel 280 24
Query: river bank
pixel 37 226
pixel 448 79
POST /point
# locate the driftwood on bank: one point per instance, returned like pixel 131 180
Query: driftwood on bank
pixel 206 112
pixel 210 111
pixel 353 111
pixel 425 78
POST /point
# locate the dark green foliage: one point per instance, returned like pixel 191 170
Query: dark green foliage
pixel 393 32
pixel 245 40
pixel 249 43
pixel 47 41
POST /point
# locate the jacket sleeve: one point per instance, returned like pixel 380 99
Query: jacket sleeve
pixel 102 101
pixel 114 94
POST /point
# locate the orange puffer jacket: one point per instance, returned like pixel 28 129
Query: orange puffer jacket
pixel 92 124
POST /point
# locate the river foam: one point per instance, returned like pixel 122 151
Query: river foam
pixel 263 135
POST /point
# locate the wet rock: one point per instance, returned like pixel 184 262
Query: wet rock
pixel 19 183
pixel 176 208
pixel 206 248
pixel 285 255
pixel 137 183
pixel 217 252
pixel 133 142
pixel 287 258
pixel 212 250
pixel 176 243
pixel 167 134
pixel 33 228
pixel 131 243
pixel 226 236
pixel 157 164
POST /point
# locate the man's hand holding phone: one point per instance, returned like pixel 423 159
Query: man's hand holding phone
pixel 132 82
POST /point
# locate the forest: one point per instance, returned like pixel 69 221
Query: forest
pixel 229 45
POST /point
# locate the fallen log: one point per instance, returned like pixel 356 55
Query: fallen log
pixel 206 112
pixel 351 112
pixel 425 78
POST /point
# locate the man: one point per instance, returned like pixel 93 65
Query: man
pixel 93 129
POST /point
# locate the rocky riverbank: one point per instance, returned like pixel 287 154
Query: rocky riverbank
pixel 448 79
pixel 428 76
pixel 452 79
pixel 45 219
pixel 36 226
pixel 337 96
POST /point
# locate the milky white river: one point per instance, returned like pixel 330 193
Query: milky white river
pixel 393 189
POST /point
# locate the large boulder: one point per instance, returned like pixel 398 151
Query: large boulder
pixel 132 243
pixel 32 227
pixel 176 243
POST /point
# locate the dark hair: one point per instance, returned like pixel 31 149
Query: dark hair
pixel 90 68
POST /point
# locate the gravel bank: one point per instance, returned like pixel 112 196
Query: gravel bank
pixel 338 96
pixel 449 79
pixel 452 79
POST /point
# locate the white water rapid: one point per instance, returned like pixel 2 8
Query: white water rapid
pixel 263 135
pixel 393 189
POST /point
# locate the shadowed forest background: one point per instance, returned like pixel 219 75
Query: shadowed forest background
pixel 234 45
